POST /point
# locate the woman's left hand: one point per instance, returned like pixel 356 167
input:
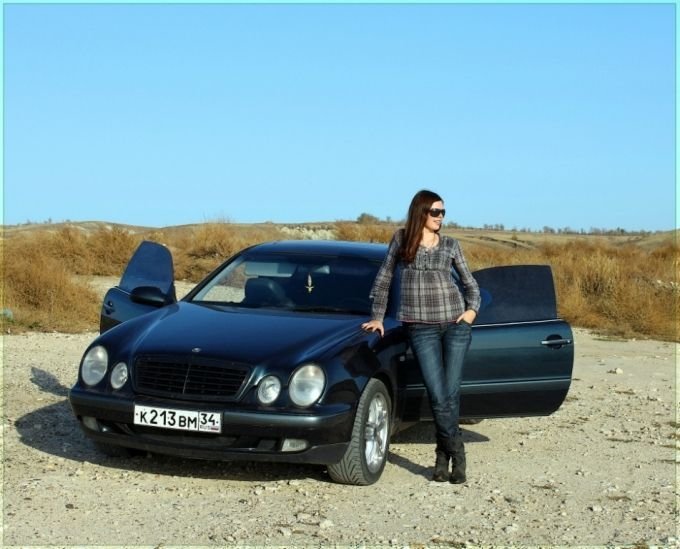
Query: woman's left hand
pixel 468 316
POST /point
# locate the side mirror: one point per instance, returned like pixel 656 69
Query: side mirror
pixel 150 295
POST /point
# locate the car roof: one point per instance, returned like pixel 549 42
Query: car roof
pixel 366 250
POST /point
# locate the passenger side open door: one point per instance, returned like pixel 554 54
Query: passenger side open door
pixel 147 284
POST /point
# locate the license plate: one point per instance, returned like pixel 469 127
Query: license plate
pixel 184 420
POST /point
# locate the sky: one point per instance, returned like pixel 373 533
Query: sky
pixel 521 115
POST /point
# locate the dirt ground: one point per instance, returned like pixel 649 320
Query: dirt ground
pixel 600 471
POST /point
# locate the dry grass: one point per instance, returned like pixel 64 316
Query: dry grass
pixel 205 247
pixel 42 295
pixel 109 250
pixel 626 287
pixel 357 232
pixel 623 290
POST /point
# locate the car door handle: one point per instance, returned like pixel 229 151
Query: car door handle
pixel 556 342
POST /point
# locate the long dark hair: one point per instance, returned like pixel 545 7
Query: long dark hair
pixel 417 216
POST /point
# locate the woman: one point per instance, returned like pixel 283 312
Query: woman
pixel 437 316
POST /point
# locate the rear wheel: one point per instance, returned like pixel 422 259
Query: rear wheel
pixel 366 455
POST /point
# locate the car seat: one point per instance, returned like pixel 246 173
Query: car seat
pixel 265 292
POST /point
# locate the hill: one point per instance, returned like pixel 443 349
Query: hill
pixel 324 229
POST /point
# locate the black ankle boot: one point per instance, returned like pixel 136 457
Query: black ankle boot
pixel 458 461
pixel 441 467
pixel 458 472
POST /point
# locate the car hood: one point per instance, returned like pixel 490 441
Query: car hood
pixel 244 335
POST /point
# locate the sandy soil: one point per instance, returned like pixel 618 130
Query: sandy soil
pixel 601 471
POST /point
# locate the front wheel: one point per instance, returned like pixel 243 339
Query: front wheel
pixel 366 455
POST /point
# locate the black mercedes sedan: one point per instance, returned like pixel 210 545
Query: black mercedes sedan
pixel 265 359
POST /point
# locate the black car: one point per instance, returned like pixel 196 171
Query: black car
pixel 265 359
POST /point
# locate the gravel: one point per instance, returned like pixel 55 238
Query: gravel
pixel 600 471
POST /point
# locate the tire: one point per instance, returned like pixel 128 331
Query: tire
pixel 366 455
pixel 111 450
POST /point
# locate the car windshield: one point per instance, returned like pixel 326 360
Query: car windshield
pixel 293 282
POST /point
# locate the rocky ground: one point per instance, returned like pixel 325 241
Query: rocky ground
pixel 601 471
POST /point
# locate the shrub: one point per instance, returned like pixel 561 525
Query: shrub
pixel 208 245
pixel 110 250
pixel 616 289
pixel 42 295
pixel 367 219
pixel 69 246
pixel 621 290
pixel 363 232
pixel 627 290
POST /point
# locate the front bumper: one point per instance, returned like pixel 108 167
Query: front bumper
pixel 246 435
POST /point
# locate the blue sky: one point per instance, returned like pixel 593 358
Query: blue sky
pixel 526 115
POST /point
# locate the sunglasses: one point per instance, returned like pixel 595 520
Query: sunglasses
pixel 436 212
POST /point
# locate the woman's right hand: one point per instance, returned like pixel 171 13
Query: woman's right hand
pixel 374 326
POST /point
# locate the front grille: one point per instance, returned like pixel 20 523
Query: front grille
pixel 189 377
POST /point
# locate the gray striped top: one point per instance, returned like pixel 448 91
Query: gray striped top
pixel 428 291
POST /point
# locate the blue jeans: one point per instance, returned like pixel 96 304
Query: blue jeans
pixel 440 350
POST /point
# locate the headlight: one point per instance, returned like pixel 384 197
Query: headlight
pixel 268 390
pixel 94 365
pixel 307 384
pixel 119 375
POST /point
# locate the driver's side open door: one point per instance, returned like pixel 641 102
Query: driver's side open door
pixel 521 356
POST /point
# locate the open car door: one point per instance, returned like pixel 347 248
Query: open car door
pixel 147 284
pixel 521 356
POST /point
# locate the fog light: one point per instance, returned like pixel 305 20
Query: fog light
pixel 269 389
pixel 119 375
pixel 91 423
pixel 294 445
